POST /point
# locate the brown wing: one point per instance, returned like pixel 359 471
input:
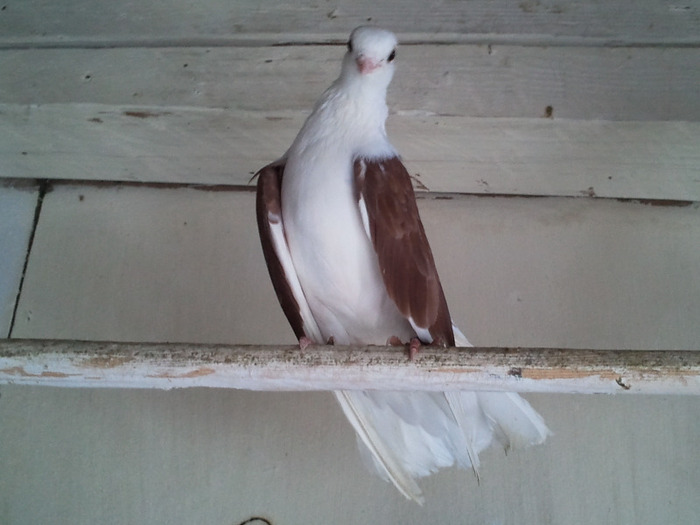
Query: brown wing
pixel 269 214
pixel 406 261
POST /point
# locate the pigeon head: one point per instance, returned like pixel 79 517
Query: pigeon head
pixel 370 56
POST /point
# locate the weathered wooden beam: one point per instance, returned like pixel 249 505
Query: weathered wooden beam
pixel 287 368
pixel 488 81
pixel 304 21
pixel 446 154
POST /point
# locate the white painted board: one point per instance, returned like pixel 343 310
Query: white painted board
pixel 578 82
pixel 184 265
pixel 146 264
pixel 38 21
pixel 220 457
pixel 166 366
pixel 17 205
pixel 638 160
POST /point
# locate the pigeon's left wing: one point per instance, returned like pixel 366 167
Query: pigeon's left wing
pixel 390 215
pixel 279 261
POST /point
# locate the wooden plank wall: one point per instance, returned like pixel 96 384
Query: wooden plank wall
pixel 128 134
pixel 236 86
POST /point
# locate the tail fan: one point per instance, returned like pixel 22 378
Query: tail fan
pixel 407 435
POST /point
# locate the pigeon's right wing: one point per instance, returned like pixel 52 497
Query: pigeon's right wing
pixel 388 209
pixel 277 256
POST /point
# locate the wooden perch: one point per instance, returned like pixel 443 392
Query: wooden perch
pixel 166 366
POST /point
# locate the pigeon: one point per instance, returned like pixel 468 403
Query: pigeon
pixel 351 264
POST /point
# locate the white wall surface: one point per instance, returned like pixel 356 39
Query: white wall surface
pixel 218 457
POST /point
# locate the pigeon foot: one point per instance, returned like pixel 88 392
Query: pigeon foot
pixel 394 341
pixel 413 348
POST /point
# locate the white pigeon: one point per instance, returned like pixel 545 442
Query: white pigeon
pixel 351 264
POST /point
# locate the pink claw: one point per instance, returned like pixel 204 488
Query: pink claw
pixel 413 348
pixel 304 342
pixel 394 341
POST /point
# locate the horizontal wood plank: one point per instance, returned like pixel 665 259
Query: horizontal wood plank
pixel 288 368
pixel 154 264
pixel 40 21
pixel 463 80
pixel 638 160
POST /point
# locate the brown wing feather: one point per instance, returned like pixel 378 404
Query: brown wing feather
pixel 403 251
pixel 268 209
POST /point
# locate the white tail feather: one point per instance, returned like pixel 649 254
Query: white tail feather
pixel 466 411
pixel 388 465
pixel 407 435
pixel 515 423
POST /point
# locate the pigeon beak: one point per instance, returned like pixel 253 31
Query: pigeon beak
pixel 366 65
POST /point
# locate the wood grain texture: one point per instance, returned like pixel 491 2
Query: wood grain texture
pixel 479 81
pixel 40 21
pixel 288 368
pixel 637 160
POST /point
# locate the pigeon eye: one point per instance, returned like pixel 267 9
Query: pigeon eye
pixel 392 56
pixel 350 46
